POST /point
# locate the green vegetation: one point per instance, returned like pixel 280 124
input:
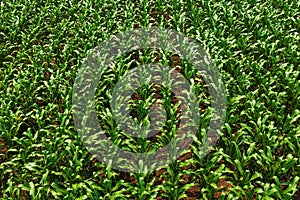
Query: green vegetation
pixel 254 44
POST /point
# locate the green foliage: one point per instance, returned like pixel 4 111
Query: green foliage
pixel 254 44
